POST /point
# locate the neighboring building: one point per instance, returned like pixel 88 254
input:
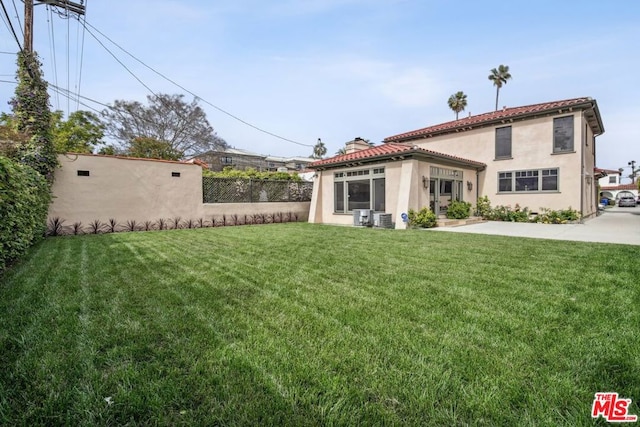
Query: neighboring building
pixel 609 178
pixel 536 156
pixel 242 159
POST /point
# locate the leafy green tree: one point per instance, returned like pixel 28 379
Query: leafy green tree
pixel 10 138
pixel 82 132
pixel 499 76
pixel 319 150
pixel 184 126
pixel 152 149
pixel 458 102
pixel 31 110
pixel 230 172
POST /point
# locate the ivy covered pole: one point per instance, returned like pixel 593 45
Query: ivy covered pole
pixel 33 115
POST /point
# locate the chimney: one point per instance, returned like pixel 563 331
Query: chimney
pixel 504 107
pixel 358 144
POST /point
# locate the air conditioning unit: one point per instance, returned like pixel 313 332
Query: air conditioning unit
pixel 363 217
pixel 382 220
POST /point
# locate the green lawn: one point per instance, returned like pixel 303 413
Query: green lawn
pixel 299 324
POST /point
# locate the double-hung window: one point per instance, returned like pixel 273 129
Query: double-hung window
pixel 359 189
pixel 503 143
pixel 563 134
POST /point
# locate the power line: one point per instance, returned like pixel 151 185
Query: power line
pixel 190 92
pixel 82 49
pixel 68 57
pixel 18 17
pixel 52 43
pixel 13 31
pixel 119 62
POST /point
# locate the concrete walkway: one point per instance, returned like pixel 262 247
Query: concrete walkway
pixel 615 225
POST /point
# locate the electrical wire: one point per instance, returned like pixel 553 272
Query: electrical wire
pixel 18 17
pixel 119 62
pixel 10 25
pixel 52 43
pixel 68 56
pixel 188 91
pixel 82 49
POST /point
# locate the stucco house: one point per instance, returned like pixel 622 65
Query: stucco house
pixel 236 158
pixel 538 156
pixel 611 186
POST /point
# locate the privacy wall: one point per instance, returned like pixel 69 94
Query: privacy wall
pixel 91 187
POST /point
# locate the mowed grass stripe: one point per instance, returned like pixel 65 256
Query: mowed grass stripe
pixel 294 324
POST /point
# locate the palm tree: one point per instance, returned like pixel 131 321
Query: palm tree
pixel 341 151
pixel 499 77
pixel 458 102
pixel 319 149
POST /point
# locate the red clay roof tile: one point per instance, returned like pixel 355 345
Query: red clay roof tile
pixel 493 116
pixel 386 150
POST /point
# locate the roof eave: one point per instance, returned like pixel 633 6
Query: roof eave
pixel 590 104
pixel 417 153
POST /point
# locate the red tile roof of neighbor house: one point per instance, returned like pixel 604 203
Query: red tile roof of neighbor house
pixel 388 150
pixel 621 187
pixel 504 115
pixel 609 171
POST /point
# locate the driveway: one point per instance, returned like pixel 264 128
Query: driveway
pixel 615 225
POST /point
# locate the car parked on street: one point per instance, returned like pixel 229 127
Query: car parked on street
pixel 627 201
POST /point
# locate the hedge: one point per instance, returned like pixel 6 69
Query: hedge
pixel 24 202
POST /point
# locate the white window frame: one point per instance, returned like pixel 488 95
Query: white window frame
pixel 352 175
pixel 540 174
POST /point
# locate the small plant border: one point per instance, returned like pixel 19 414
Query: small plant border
pixel 56 227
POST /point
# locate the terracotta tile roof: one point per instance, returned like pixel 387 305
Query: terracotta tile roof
pixel 621 187
pixel 608 171
pixel 387 150
pixel 468 123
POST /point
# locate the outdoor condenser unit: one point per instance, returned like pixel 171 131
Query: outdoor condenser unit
pixel 363 217
pixel 382 220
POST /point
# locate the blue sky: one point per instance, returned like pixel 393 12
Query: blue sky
pixel 337 69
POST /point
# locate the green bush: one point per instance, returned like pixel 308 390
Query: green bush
pixel 230 172
pixel 459 210
pixel 24 202
pixel 548 216
pixel 424 218
pixel 483 207
pixel 506 213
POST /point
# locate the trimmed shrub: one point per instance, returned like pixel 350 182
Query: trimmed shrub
pixel 505 213
pixel 24 203
pixel 459 210
pixel 548 216
pixel 483 207
pixel 424 218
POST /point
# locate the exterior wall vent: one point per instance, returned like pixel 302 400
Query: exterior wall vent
pixel 83 173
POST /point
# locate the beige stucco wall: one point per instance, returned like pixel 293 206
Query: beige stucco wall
pixel 300 209
pixel 532 148
pixel 141 190
pixel 404 190
pixel 124 189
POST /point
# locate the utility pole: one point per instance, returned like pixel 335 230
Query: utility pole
pixel 632 163
pixel 69 6
pixel 28 25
